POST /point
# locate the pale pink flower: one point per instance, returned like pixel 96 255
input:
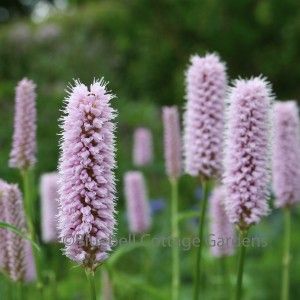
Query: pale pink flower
pixel 221 229
pixel 138 209
pixel 286 154
pixel 247 152
pixel 142 147
pixel 172 141
pixel 49 206
pixel 86 176
pixel 206 84
pixel 23 152
pixel 20 263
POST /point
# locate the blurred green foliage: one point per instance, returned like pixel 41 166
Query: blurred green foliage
pixel 142 48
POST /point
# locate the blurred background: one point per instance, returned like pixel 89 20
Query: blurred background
pixel 142 48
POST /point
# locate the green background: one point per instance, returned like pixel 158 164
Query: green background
pixel 142 48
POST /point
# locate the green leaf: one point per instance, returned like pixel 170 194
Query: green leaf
pixel 138 282
pixel 20 233
pixel 124 249
pixel 187 215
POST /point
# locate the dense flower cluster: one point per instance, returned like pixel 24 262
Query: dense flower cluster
pixel 138 209
pixel 23 152
pixel 220 227
pixel 286 153
pixel 247 152
pixel 17 252
pixel 204 116
pixel 86 177
pixel 172 140
pixel 49 206
pixel 142 147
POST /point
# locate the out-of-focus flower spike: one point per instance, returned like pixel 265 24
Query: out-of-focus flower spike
pixel 138 208
pixel 23 152
pixel 172 141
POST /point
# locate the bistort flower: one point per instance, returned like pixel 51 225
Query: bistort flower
pixel 247 152
pixel 86 175
pixel 206 84
pixel 286 154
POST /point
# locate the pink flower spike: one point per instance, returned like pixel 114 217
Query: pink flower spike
pixel 247 152
pixel 23 152
pixel 3 232
pixel 221 229
pixel 138 210
pixel 49 206
pixel 142 147
pixel 86 175
pixel 20 263
pixel 286 154
pixel 206 84
pixel 172 141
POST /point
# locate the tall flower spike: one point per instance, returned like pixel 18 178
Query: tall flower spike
pixel 204 116
pixel 49 206
pixel 21 265
pixel 286 154
pixel 86 176
pixel 220 227
pixel 3 232
pixel 172 139
pixel 23 152
pixel 142 147
pixel 138 209
pixel 247 153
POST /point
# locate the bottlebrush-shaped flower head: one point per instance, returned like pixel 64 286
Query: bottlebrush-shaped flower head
pixel 204 116
pixel 3 232
pixel 20 264
pixel 220 227
pixel 138 209
pixel 247 152
pixel 172 139
pixel 23 152
pixel 49 206
pixel 86 176
pixel 286 154
pixel 142 147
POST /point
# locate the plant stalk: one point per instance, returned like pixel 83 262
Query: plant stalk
pixel 201 232
pixel 241 263
pixel 286 254
pixel 175 239
pixel 225 276
pixel 29 212
pixel 91 279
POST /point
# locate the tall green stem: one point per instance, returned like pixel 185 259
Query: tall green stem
pixel 286 254
pixel 175 237
pixel 19 291
pixel 29 211
pixel 91 279
pixel 225 276
pixel 201 232
pixel 241 263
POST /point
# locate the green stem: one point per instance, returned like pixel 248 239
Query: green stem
pixel 29 209
pixel 241 262
pixel 19 292
pixel 286 254
pixel 91 279
pixel 175 238
pixel 225 276
pixel 201 232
